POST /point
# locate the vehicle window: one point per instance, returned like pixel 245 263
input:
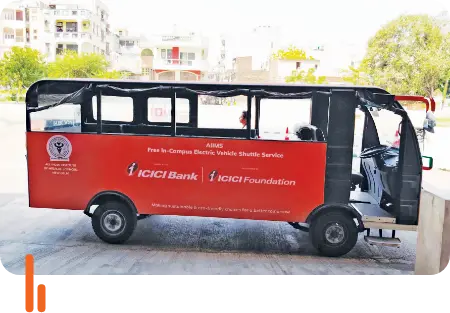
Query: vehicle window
pixel 279 114
pixel 114 108
pixel 159 110
pixel 220 112
pixel 387 124
pixel 62 118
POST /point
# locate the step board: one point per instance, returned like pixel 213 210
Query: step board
pixel 383 241
pixel 373 213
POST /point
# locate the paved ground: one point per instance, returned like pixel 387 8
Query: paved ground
pixel 63 241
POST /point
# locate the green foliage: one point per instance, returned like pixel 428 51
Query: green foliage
pixel 409 55
pixel 20 68
pixel 292 53
pixel 110 75
pixel 72 65
pixel 305 77
pixel 354 76
pixel 146 53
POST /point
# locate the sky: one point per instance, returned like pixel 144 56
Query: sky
pixel 346 25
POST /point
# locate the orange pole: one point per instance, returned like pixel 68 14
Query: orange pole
pixel 41 298
pixel 29 282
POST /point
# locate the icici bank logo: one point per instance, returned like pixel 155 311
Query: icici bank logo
pixel 213 175
pixel 132 168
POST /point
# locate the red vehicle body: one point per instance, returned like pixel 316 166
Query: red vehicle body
pixel 118 172
pixel 210 177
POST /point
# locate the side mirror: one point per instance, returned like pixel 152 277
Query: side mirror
pixel 427 163
pixel 430 122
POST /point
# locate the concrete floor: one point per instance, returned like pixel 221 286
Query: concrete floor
pixel 63 242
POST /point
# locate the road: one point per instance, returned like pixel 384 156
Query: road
pixel 63 241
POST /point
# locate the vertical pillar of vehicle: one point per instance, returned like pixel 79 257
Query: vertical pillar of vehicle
pixel 257 114
pixel 249 116
pixel 410 175
pixel 173 124
pixel 99 111
pixel 341 126
pixel 319 111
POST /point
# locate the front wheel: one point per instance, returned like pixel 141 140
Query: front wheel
pixel 114 222
pixel 334 233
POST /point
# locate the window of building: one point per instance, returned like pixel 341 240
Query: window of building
pixel 34 18
pixel 8 15
pixel 72 47
pixel 298 64
pixel 9 35
pixel 47 48
pixel 72 27
pixel 19 16
pixel 59 49
pixel 35 37
pixel 74 12
pixel 166 54
pixel 145 71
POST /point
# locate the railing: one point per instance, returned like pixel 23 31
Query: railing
pixel 176 38
pixel 177 62
pixel 19 38
pixel 72 35
pixel 74 12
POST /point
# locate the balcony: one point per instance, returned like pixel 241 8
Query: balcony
pixel 69 14
pixel 71 36
pixel 177 64
pixel 178 41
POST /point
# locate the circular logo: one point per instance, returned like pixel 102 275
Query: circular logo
pixel 59 148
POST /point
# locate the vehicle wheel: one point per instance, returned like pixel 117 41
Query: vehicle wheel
pixel 114 222
pixel 333 233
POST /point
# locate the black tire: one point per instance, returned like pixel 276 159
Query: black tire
pixel 114 222
pixel 333 233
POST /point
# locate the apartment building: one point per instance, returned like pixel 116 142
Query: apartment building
pixel 21 24
pixel 56 26
pixel 174 56
pixel 179 55
pixel 81 27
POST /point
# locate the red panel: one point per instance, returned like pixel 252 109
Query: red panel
pixel 175 54
pixel 251 179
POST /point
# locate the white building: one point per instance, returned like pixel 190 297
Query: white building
pixel 21 24
pixel 179 55
pixel 81 27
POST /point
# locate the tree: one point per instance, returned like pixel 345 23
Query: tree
pixel 20 68
pixel 354 76
pixel 292 53
pixel 73 65
pixel 409 55
pixel 306 77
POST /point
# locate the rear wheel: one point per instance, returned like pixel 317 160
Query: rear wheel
pixel 114 222
pixel 333 233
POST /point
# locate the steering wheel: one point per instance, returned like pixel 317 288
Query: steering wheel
pixel 373 151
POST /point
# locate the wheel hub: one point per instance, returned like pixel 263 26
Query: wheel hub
pixel 112 222
pixel 335 233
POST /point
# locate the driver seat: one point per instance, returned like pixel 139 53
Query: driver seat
pixel 357 179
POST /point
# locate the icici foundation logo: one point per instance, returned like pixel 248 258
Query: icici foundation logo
pixel 132 168
pixel 213 175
